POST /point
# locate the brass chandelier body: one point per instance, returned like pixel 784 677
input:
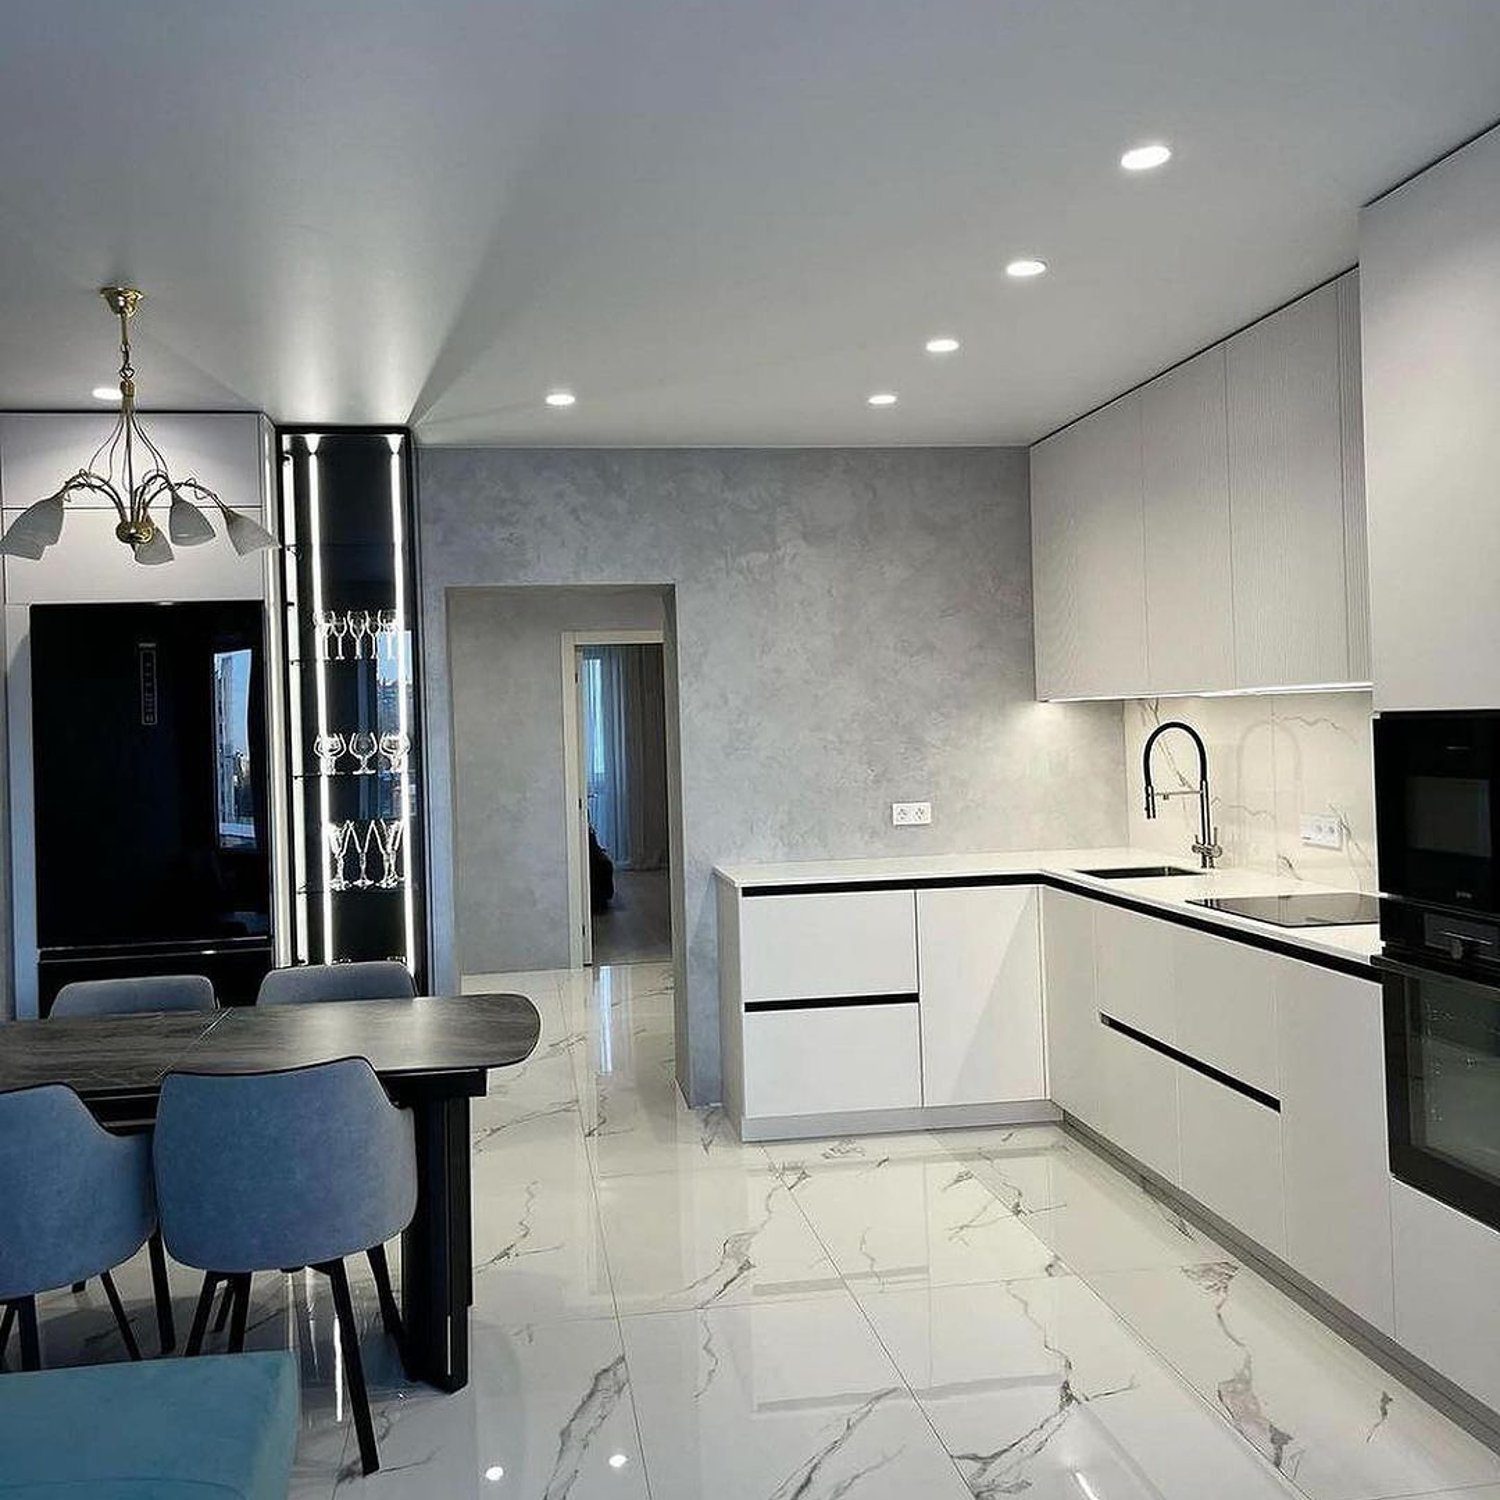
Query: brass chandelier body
pixel 131 472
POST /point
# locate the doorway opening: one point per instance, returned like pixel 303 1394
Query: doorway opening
pixel 623 895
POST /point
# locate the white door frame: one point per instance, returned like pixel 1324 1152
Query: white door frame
pixel 575 814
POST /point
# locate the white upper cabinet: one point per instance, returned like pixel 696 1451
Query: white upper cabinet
pixel 1430 296
pixel 1089 557
pixel 1185 465
pixel 1207 532
pixel 1286 483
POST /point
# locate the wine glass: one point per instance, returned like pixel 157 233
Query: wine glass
pixel 364 746
pixel 328 748
pixel 338 628
pixel 395 746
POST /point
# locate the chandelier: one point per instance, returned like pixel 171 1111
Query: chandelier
pixel 135 478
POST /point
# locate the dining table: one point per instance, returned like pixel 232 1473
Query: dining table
pixel 433 1055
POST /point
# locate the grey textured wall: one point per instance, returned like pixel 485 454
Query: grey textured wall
pixel 853 627
pixel 510 845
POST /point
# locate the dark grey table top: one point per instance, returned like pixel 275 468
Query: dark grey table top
pixel 125 1056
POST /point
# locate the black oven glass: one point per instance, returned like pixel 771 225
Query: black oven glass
pixel 1449 815
pixel 1443 1076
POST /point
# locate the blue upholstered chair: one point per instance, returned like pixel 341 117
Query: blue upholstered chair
pixel 139 996
pixel 270 1171
pixel 120 997
pixel 382 979
pixel 76 1201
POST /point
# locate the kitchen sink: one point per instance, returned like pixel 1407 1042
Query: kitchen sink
pixel 1138 872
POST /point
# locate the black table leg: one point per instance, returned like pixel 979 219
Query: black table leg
pixel 436 1248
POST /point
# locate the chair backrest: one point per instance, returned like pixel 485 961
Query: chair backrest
pixel 119 997
pixel 74 1199
pixel 378 979
pixel 262 1171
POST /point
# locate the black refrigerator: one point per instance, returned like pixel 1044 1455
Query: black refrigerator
pixel 151 772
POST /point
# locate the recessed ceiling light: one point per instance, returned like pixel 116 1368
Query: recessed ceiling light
pixel 618 1460
pixel 882 398
pixel 1144 158
pixel 106 393
pixel 1025 267
pixel 494 1473
pixel 560 398
pixel 942 346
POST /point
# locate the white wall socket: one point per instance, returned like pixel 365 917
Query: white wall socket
pixel 910 814
pixel 1322 831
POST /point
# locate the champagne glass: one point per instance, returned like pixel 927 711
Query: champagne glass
pixel 390 841
pixel 338 837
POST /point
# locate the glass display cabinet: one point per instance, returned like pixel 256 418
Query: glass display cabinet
pixel 352 709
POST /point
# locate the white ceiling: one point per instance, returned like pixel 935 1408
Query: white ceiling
pixel 724 222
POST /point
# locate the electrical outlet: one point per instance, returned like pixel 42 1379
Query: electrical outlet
pixel 911 814
pixel 1322 831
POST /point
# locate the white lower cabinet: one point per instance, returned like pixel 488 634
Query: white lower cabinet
pixel 1133 970
pixel 1140 1101
pixel 981 994
pixel 1073 1068
pixel 1224 1005
pixel 839 943
pixel 1447 1271
pixel 826 1060
pixel 1231 1155
pixel 1335 1153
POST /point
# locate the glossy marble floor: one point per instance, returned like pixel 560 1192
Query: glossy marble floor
pixel 661 1311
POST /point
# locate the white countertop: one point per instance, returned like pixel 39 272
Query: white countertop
pixel 1169 893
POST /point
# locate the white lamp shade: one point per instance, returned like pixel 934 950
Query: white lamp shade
pixel 157 550
pixel 35 529
pixel 186 524
pixel 245 534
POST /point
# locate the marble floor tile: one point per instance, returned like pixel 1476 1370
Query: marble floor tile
pixel 678 1241
pixel 921 1221
pixel 855 1150
pixel 631 1130
pixel 547 1415
pixel 776 1400
pixel 1036 1388
pixel 1313 1405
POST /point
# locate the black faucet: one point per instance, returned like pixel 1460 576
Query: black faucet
pixel 1207 848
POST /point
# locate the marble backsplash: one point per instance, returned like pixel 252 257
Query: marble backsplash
pixel 1271 761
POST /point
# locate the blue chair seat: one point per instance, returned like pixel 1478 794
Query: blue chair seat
pixel 201 1429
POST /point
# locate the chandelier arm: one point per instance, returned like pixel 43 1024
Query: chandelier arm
pixel 110 441
pixel 87 481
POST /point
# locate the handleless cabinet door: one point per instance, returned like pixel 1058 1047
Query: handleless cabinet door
pixel 1185 467
pixel 1356 525
pixel 1074 1074
pixel 1225 1006
pixel 828 946
pixel 1088 556
pixel 1286 489
pixel 1334 1145
pixel 1133 971
pixel 981 990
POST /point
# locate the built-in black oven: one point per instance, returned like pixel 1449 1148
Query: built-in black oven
pixel 1437 808
pixel 1443 1083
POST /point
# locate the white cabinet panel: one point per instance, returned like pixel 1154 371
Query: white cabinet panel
pixel 1088 556
pixel 1430 306
pixel 1286 487
pixel 801 947
pixel 818 1061
pixel 1334 1144
pixel 1074 1074
pixel 1356 525
pixel 1140 1101
pixel 1231 1156
pixel 1225 1006
pixel 1133 970
pixel 1185 469
pixel 981 992
pixel 1447 1287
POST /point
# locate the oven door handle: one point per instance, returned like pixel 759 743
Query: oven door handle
pixel 1450 973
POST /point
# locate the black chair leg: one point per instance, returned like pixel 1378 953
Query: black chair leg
pixel 200 1315
pixel 31 1338
pixel 240 1290
pixel 79 1287
pixel 127 1334
pixel 161 1290
pixel 390 1313
pixel 226 1305
pixel 6 1324
pixel 354 1370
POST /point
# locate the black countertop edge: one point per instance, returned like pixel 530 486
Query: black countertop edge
pixel 1355 967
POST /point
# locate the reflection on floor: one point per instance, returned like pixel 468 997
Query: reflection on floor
pixel 636 926
pixel 662 1311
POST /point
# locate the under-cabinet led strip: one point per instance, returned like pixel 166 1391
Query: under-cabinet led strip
pixel 403 682
pixel 292 636
pixel 325 806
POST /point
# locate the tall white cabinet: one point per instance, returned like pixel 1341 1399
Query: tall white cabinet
pixel 1206 532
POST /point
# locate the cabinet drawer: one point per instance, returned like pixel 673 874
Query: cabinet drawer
pixel 824 1059
pixel 809 947
pixel 1225 1002
pixel 1231 1157
pixel 1133 969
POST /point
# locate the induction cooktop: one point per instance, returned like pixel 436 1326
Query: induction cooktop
pixel 1331 909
